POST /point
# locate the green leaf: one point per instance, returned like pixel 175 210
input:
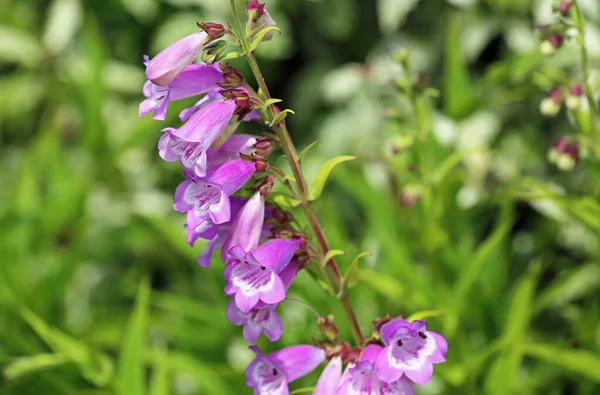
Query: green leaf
pixel 351 277
pixel 439 174
pixel 569 286
pixel 582 362
pixel 458 92
pixel 305 390
pixel 332 253
pixel 23 366
pixel 272 101
pixel 160 384
pixel 261 35
pixel 422 315
pixel 284 200
pixel 281 116
pixel 305 150
pixel 94 366
pixel 386 285
pixel 318 183
pixel 130 375
pixel 230 56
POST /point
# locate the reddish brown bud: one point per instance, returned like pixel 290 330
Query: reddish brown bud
pixel 266 186
pixel 264 146
pixel 214 30
pixel 256 7
pixel 262 165
pixel 576 90
pixel 327 327
pixel 378 323
pixel 232 77
pixel 556 40
pixel 565 6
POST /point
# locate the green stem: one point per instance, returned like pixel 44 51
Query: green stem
pixel 585 67
pixel 331 270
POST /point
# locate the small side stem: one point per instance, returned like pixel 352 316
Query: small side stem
pixel 585 68
pixel 331 270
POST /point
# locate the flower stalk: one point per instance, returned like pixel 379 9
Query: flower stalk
pixel 331 270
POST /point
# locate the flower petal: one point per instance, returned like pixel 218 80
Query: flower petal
pixel 276 253
pixel 221 211
pixel 297 361
pixel 206 124
pixel 384 369
pixel 330 378
pixel 421 374
pixel 370 353
pixel 388 329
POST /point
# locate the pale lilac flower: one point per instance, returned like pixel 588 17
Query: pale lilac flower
pixel 254 276
pixel 246 228
pixel 195 159
pixel 410 350
pixel 210 196
pixel 330 378
pixel 270 374
pixel 201 226
pixel 262 318
pixel 210 97
pixel 195 80
pixel 362 379
pixel 171 61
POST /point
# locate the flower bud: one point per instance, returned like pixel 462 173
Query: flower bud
pixel 553 42
pixel 564 155
pixel 213 51
pixel 259 16
pixel 573 100
pixel 262 165
pixel 171 61
pixel 550 105
pixel 267 185
pixel 264 146
pixel 232 77
pixel 326 327
pixel 565 6
pixel 213 30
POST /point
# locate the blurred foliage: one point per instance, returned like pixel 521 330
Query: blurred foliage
pixel 99 293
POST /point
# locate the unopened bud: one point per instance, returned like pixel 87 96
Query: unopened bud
pixel 553 42
pixel 214 30
pixel 565 6
pixel 326 327
pixel 213 51
pixel 262 165
pixel 550 105
pixel 266 187
pixel 564 155
pixel 264 146
pixel 259 16
pixel 232 77
pixel 573 100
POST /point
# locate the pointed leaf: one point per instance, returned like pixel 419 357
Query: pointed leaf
pixel 330 254
pixel 281 116
pixel 34 364
pixel 131 362
pixel 272 101
pixel 261 35
pixel 351 277
pixel 318 183
pixel 582 362
pixel 422 315
pixel 94 366
pixel 305 150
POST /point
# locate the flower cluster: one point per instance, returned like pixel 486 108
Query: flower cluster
pixel 261 245
pixel 406 356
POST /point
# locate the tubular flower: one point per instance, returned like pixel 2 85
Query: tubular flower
pixel 409 350
pixel 270 374
pixel 195 80
pixel 210 196
pixel 171 61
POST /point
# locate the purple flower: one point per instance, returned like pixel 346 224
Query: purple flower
pixel 410 350
pixel 194 80
pixel 254 276
pixel 195 159
pixel 171 61
pixel 262 318
pixel 247 227
pixel 210 196
pixel 330 379
pixel 362 379
pixel 270 374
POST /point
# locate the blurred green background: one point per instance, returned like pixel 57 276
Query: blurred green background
pixel 99 293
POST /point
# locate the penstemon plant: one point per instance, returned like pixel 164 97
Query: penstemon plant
pixel 262 245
